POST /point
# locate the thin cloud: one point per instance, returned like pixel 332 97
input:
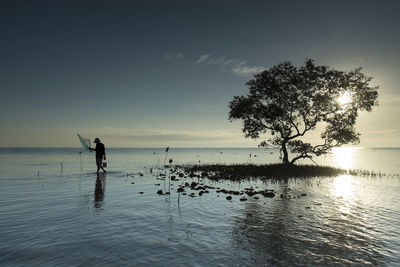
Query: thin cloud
pixel 235 66
pixel 390 99
pixel 247 70
pixel 218 61
pixel 228 61
pixel 394 133
pixel 175 56
pixel 202 58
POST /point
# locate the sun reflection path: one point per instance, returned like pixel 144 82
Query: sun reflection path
pixel 343 189
pixel 344 156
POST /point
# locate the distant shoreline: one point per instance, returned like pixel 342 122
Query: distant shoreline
pixel 255 148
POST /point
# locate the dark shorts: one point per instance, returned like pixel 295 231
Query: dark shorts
pixel 99 162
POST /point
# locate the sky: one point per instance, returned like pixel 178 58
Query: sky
pixel 162 73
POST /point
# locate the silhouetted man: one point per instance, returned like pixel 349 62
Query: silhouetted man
pixel 100 154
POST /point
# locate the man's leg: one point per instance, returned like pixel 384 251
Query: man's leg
pixel 98 163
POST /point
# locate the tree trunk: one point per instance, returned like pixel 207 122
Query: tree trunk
pixel 285 158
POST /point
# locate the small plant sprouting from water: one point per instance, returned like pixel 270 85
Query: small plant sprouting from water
pixel 368 173
pixel 169 176
pixel 166 154
pixel 80 157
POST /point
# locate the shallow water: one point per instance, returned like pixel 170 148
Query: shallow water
pixel 74 218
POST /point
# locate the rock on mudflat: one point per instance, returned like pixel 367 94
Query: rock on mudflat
pixel 268 193
pixel 181 189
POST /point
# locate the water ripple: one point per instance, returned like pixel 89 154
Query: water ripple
pixel 78 219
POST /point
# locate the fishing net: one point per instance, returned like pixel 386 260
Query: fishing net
pixel 85 142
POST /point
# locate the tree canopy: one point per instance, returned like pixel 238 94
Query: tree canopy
pixel 286 102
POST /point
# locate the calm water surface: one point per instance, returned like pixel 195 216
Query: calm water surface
pixel 53 214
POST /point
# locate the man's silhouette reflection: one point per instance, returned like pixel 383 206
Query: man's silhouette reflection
pixel 99 190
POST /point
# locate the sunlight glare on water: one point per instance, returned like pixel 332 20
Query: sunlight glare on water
pixel 344 156
pixel 343 187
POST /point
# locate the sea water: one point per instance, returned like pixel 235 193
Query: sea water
pixel 56 211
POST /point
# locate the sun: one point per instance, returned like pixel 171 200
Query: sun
pixel 344 98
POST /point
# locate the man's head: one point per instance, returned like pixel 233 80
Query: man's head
pixel 96 140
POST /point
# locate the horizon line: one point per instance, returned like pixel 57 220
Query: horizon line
pixel 170 147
